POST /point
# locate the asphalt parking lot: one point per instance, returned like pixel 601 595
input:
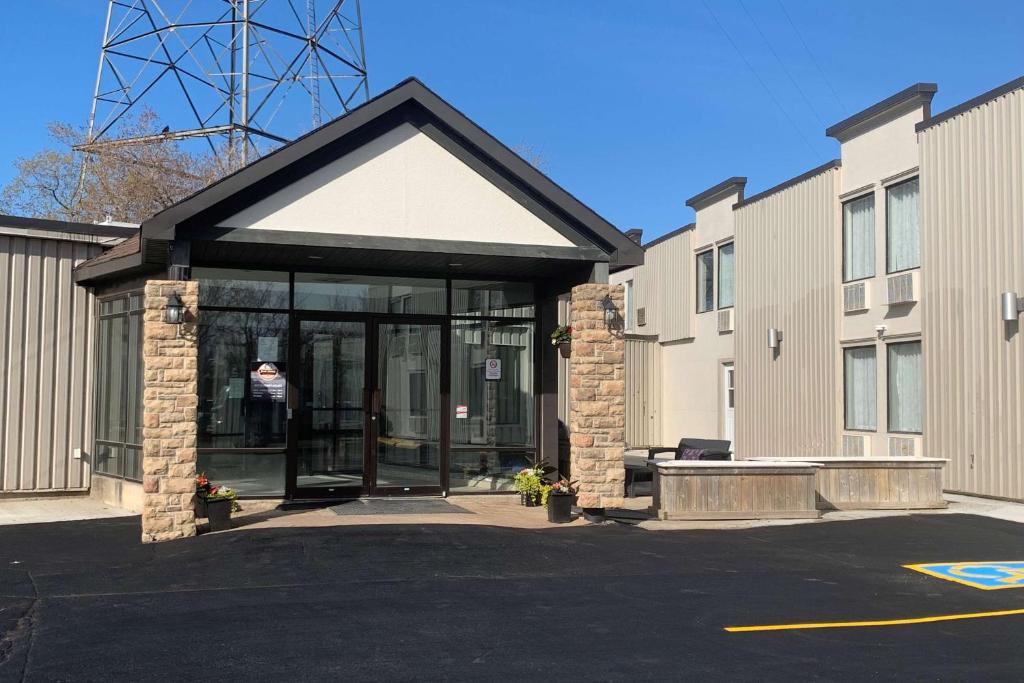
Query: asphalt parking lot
pixel 86 601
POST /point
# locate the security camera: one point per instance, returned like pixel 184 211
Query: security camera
pixel 880 330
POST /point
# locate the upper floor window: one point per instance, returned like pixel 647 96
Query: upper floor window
pixel 705 281
pixel 726 276
pixel 628 304
pixel 903 236
pixel 859 238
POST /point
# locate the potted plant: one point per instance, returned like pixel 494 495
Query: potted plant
pixel 216 503
pixel 562 338
pixel 560 497
pixel 528 483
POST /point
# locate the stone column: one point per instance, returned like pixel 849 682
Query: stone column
pixel 597 396
pixel 169 413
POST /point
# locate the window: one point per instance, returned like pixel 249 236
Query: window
pixel 119 388
pixel 363 294
pixel 859 238
pixel 903 237
pixel 705 281
pixel 859 387
pixel 498 299
pixel 726 276
pixel 905 387
pixel 237 288
pixel 628 303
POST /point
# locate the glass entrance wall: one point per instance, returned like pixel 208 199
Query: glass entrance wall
pixel 243 418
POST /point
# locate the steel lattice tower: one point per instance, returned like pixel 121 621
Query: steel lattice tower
pixel 248 74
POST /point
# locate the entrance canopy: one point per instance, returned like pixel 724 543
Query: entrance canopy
pixel 404 183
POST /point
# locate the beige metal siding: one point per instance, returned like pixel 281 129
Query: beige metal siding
pixel 664 286
pixel 46 353
pixel 972 249
pixel 643 392
pixel 786 278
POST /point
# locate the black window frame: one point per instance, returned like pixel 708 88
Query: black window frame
pixel 131 397
pixel 697 258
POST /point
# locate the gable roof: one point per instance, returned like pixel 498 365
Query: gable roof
pixel 409 101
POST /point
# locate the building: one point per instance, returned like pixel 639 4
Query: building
pixel 878 277
pixel 48 349
pixel 364 311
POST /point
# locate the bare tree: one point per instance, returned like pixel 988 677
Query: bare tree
pixel 123 183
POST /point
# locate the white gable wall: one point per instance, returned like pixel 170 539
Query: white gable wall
pixel 402 184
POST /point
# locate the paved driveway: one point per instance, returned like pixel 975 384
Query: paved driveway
pixel 86 601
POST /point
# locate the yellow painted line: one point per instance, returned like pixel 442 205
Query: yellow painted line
pixel 883 622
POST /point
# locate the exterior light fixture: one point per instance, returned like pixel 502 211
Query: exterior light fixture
pixel 774 337
pixel 175 312
pixel 1011 306
pixel 609 309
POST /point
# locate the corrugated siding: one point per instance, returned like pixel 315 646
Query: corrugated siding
pixel 643 392
pixel 786 278
pixel 46 352
pixel 664 286
pixel 972 248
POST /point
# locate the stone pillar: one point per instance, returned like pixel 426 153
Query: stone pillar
pixel 169 413
pixel 597 402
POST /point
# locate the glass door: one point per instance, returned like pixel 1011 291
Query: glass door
pixel 407 408
pixel 330 413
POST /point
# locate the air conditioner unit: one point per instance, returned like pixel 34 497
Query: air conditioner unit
pixel 641 316
pixel 856 296
pixel 855 446
pixel 904 446
pixel 902 288
pixel 725 320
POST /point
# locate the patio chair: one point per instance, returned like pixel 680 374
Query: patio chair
pixel 639 478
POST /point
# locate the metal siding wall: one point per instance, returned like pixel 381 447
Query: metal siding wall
pixel 972 248
pixel 643 392
pixel 664 285
pixel 786 278
pixel 46 352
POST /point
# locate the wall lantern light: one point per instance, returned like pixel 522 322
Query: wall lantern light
pixel 609 309
pixel 1011 306
pixel 175 312
pixel 774 337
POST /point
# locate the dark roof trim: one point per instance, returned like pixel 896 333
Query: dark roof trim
pixel 89 273
pixel 670 235
pixel 724 188
pixel 595 229
pixel 375 242
pixel 919 93
pixel 66 226
pixel 984 98
pixel 835 163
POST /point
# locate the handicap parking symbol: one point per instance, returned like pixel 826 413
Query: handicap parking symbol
pixel 988 576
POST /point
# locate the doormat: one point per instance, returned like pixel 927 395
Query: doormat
pixel 397 506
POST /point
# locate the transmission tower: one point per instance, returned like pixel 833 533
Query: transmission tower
pixel 248 74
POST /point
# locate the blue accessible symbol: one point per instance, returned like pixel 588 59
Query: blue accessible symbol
pixel 987 576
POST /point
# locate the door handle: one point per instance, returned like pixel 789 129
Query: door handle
pixel 375 404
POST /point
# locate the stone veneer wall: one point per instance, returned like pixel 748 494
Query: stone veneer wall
pixel 597 402
pixel 169 414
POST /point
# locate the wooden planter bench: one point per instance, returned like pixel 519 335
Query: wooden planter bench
pixel 880 483
pixel 687 489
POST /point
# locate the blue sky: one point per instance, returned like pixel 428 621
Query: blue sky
pixel 635 105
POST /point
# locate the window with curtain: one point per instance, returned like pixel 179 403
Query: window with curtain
pixel 726 276
pixel 859 238
pixel 903 247
pixel 859 387
pixel 905 387
pixel 628 304
pixel 705 281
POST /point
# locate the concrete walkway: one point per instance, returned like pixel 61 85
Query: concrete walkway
pixel 66 509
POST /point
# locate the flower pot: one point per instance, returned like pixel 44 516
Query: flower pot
pixel 219 514
pixel 199 505
pixel 565 348
pixel 531 500
pixel 560 508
